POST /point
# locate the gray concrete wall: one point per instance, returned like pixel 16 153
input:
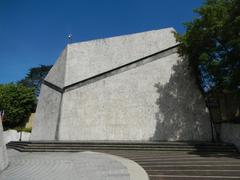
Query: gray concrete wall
pixel 90 58
pixel 230 133
pixel 155 101
pixel 13 135
pixel 3 151
pixel 57 73
pixel 47 114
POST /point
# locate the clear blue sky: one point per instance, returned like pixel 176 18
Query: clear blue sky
pixel 34 32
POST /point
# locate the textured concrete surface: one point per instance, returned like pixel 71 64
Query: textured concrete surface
pixel 90 58
pixel 72 166
pixel 230 132
pixel 82 60
pixel 57 73
pixel 47 114
pixel 158 100
pixel 25 136
pixel 30 120
pixel 3 152
pixel 13 135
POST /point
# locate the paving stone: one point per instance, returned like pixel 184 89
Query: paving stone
pixel 62 166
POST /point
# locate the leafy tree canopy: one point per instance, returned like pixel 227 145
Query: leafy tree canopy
pixel 18 102
pixel 35 77
pixel 212 44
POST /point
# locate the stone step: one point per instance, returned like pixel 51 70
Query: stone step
pixel 197 172
pixel 161 160
pixel 117 143
pixel 122 144
pixel 129 148
pixel 183 177
pixel 53 146
pixel 125 148
pixel 77 150
pixel 126 145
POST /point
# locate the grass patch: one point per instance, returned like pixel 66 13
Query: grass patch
pixel 23 129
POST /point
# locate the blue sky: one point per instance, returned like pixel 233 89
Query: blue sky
pixel 34 32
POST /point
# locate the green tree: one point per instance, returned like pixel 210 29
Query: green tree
pixel 18 102
pixel 212 42
pixel 35 76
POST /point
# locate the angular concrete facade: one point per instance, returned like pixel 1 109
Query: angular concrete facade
pixel 132 87
pixel 3 151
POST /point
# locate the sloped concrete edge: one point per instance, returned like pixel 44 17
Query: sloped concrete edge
pixel 136 172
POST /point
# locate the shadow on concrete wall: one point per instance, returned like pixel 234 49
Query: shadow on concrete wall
pixel 181 114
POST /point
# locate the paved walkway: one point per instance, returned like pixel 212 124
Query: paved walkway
pixel 70 166
pixel 161 162
pixel 180 165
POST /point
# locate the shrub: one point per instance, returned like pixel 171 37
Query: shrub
pixel 18 102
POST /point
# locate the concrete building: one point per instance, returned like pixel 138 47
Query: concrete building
pixel 131 87
pixel 3 151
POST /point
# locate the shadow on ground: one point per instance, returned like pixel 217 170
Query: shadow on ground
pixel 228 150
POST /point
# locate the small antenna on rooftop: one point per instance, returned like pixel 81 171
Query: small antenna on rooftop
pixel 69 38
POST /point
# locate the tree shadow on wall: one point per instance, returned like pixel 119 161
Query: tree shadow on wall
pixel 181 115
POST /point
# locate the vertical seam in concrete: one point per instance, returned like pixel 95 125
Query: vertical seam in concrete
pixel 61 99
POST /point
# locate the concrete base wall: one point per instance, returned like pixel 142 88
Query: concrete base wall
pixel 155 101
pixel 13 135
pixel 230 133
pixel 3 151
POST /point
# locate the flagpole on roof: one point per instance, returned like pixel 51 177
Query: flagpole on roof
pixel 69 38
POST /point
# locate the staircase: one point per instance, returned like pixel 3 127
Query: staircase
pixel 161 160
pixel 75 146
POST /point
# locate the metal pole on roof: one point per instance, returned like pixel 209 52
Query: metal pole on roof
pixel 69 38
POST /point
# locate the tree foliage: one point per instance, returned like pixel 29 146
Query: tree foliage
pixel 18 102
pixel 35 76
pixel 212 43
